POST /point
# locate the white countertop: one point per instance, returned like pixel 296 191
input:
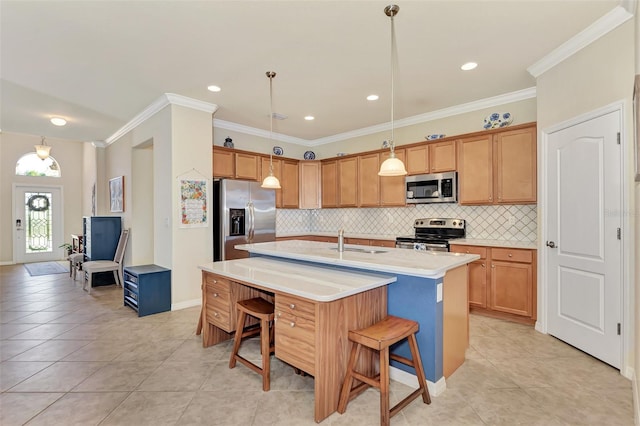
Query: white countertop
pixel 388 237
pixel 429 264
pixel 495 243
pixel 322 284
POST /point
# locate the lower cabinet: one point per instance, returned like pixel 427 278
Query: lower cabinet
pixel 502 282
pixel 147 289
pixel 295 332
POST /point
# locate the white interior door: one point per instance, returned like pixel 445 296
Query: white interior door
pixel 37 221
pixel 584 250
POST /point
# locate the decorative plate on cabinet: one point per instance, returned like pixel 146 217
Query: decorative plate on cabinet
pixel 278 150
pixel 228 142
pixel 385 144
pixel 434 137
pixel 497 119
pixel 309 155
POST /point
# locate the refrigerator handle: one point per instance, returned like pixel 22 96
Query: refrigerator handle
pixel 252 219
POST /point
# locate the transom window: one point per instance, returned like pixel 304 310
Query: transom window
pixel 31 165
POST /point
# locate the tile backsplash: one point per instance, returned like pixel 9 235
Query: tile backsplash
pixel 509 223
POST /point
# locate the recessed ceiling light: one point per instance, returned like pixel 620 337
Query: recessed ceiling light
pixel 58 121
pixel 213 88
pixel 309 117
pixel 372 97
pixel 468 66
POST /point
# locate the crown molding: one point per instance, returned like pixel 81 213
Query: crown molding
pixel 240 128
pixel 616 17
pixel 506 98
pixel 99 144
pixel 157 106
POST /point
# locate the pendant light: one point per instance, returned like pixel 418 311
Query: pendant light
pixel 392 166
pixel 42 150
pixel 271 182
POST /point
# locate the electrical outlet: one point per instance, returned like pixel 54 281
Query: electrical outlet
pixel 512 220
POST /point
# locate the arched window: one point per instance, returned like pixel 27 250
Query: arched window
pixel 31 165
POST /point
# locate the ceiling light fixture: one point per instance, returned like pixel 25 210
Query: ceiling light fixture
pixel 309 118
pixel 392 166
pixel 271 182
pixel 42 150
pixel 58 121
pixel 468 66
pixel 213 88
pixel 373 97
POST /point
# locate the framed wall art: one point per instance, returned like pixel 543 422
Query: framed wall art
pixel 116 194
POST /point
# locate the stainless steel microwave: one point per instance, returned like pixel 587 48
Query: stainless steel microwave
pixel 432 188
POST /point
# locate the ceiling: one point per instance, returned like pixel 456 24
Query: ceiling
pixel 100 63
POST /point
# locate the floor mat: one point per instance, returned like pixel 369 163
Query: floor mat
pixel 45 268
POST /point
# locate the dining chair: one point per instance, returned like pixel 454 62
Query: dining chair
pixel 115 265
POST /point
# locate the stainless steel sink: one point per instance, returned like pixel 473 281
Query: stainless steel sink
pixel 361 250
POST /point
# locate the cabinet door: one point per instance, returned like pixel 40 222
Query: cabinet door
pixel 392 188
pixel 289 183
pixel 310 185
pixel 475 170
pixel 277 172
pixel 368 180
pixel 348 182
pixel 515 161
pixel 478 283
pixel 442 156
pixel 247 166
pixel 329 178
pixel 511 287
pixel 418 160
pixel 223 164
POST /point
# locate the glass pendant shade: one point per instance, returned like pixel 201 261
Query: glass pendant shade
pixel 271 182
pixel 392 166
pixel 42 150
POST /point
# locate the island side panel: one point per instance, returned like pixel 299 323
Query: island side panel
pixel 415 298
pixel 335 319
pixel 455 338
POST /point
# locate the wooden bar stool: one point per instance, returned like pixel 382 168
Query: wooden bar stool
pixel 263 310
pixel 379 337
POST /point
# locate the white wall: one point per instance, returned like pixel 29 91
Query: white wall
pixel 69 155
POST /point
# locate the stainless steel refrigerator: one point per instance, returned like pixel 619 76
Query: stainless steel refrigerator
pixel 243 212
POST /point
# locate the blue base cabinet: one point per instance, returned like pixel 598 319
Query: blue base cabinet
pixel 147 289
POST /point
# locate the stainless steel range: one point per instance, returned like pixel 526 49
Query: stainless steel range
pixel 433 234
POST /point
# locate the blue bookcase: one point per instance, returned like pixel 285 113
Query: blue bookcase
pixel 147 289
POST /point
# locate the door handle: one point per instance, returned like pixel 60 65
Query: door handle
pixel 551 244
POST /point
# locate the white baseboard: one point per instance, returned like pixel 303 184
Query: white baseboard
pixel 409 379
pixel 636 397
pixel 7 263
pixel 186 304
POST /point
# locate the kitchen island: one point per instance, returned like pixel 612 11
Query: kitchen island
pixel 320 294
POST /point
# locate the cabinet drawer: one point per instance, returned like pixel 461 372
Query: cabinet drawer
pixel 481 251
pixel 217 283
pixel 295 341
pixel 220 315
pixel 512 255
pixel 295 306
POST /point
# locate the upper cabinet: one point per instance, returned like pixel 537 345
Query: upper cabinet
pixel 329 183
pixel 368 180
pixel 224 163
pixel 433 157
pixel 392 188
pixel 309 184
pixel 247 166
pixel 498 168
pixel 348 182
pixel 233 164
pixel 289 183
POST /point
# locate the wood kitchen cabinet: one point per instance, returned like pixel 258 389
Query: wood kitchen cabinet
pixel 434 157
pixel 329 183
pixel 310 188
pixel 498 168
pixel 289 183
pixel 502 282
pixel 230 163
pixel 348 182
pixel 368 180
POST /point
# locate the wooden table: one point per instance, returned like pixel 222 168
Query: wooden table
pixel 315 307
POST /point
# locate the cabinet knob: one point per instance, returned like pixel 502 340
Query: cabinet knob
pixel 215 314
pixel 293 324
pixel 510 255
pixel 279 314
pixel 483 265
pixel 292 306
pixel 493 266
pixel 467 251
pixel 215 281
pixel 215 294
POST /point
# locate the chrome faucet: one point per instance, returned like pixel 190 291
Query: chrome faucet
pixel 341 240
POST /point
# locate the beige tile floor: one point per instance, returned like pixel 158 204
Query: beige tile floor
pixel 69 358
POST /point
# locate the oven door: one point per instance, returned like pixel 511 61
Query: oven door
pixel 439 246
pixel 405 244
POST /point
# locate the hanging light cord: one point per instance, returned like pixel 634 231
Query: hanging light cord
pixel 393 44
pixel 271 74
